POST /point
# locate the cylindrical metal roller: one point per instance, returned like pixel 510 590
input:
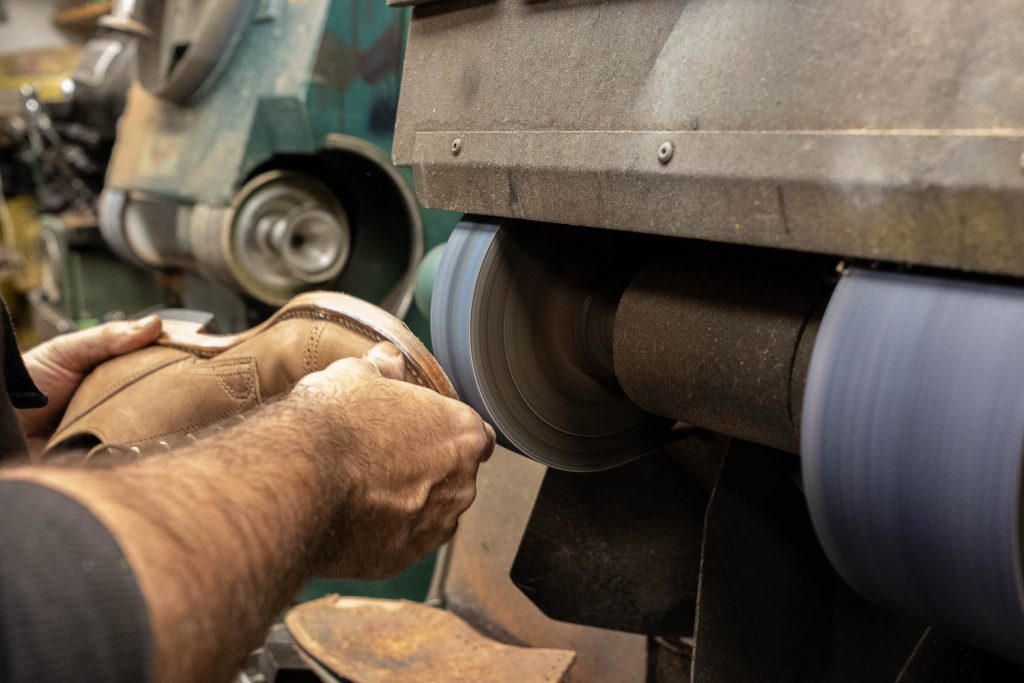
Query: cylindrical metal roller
pixel 912 435
pixel 722 342
pixel 521 319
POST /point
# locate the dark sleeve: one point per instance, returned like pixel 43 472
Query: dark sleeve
pixel 70 607
pixel 18 383
pixel 17 390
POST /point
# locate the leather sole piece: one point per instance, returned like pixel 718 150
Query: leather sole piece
pixel 357 315
pixel 368 640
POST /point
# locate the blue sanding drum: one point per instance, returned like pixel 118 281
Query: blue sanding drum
pixel 911 443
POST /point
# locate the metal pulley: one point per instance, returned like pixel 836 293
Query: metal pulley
pixel 286 231
pixel 522 319
pixel 912 436
pixel 311 243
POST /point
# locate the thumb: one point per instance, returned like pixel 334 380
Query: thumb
pixel 388 360
pixel 338 371
pixel 81 351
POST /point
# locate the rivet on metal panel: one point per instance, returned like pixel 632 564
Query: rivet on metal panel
pixel 456 146
pixel 666 151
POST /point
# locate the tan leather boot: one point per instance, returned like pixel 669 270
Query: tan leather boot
pixel 191 380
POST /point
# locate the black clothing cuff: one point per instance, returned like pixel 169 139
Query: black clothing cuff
pixel 70 606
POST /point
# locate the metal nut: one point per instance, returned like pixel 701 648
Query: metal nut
pixel 456 146
pixel 666 151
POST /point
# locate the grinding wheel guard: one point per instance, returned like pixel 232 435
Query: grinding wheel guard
pixel 912 434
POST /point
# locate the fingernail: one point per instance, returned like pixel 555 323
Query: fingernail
pixel 143 323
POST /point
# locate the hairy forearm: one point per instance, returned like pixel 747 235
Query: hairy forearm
pixel 220 535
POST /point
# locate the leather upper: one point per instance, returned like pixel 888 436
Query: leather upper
pixel 161 391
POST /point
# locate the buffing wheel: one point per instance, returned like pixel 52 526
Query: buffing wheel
pixel 912 434
pixel 522 320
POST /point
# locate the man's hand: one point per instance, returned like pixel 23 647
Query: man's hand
pixel 354 474
pixel 59 365
pixel 405 460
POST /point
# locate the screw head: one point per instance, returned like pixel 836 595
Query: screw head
pixel 456 146
pixel 666 151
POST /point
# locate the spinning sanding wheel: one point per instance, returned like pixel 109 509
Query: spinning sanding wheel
pixel 912 435
pixel 522 319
